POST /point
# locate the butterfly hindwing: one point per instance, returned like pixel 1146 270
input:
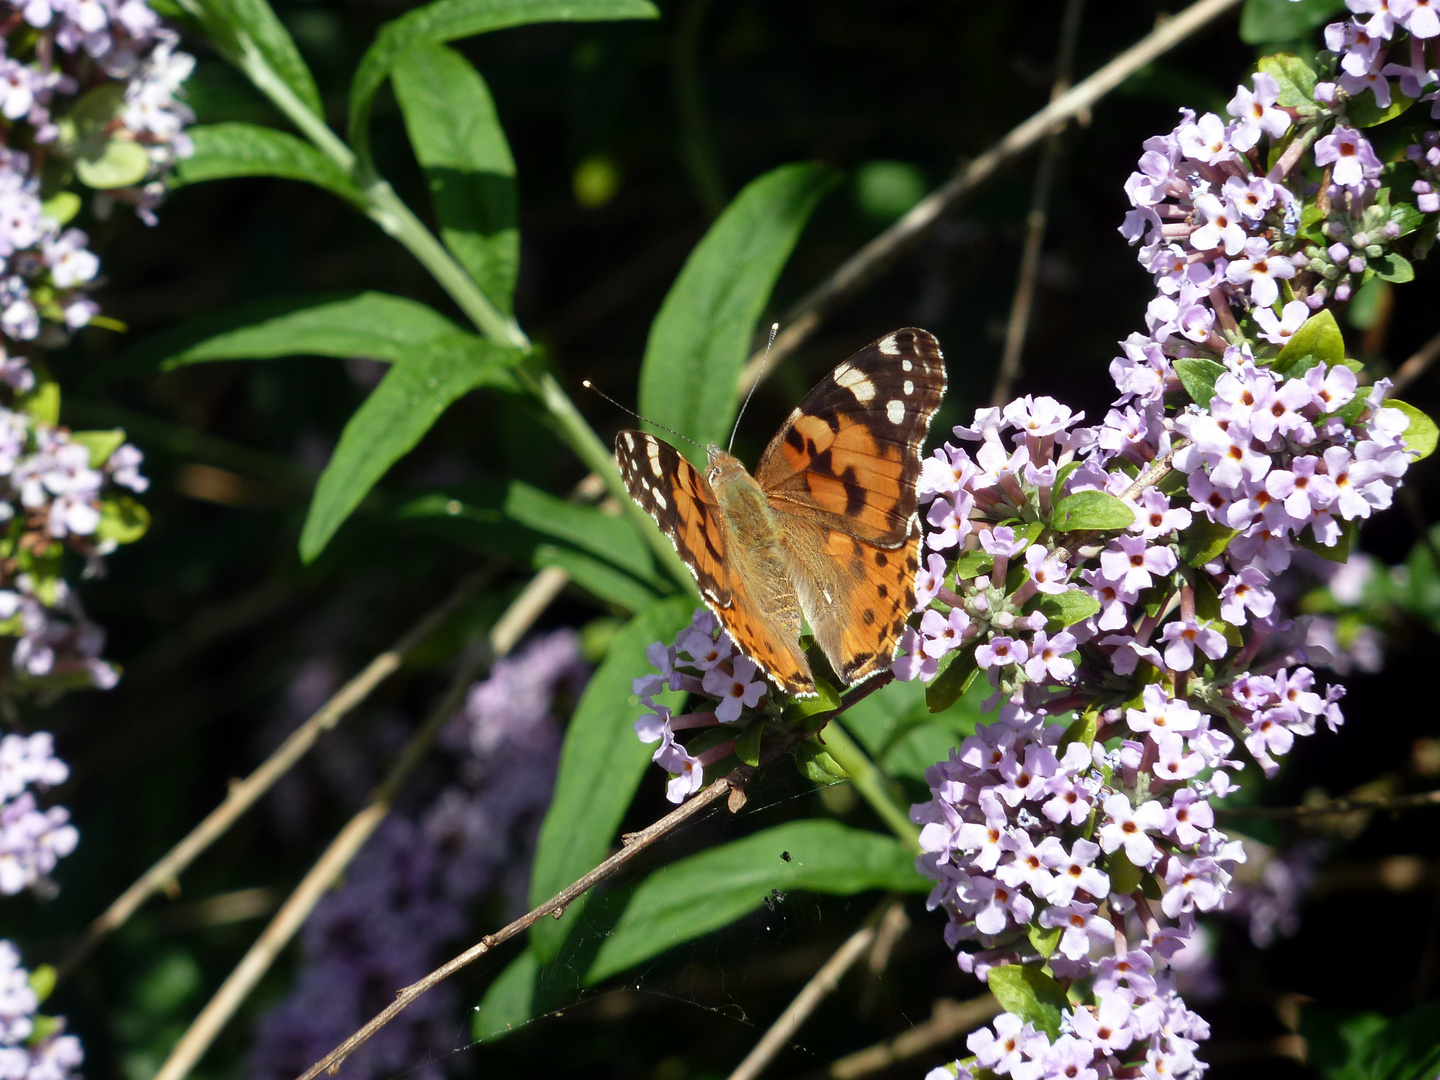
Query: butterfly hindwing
pixel 849 455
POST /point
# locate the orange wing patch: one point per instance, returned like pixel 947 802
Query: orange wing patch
pixel 874 592
pixel 847 472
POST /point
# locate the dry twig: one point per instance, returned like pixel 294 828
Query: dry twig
pixel 1417 365
pixel 243 794
pixel 879 254
pixel 1335 806
pixel 949 1020
pixel 1036 221
pixel 820 986
pixel 543 588
pixel 731 788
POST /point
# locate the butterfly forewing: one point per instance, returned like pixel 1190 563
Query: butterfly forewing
pixel 677 496
pixel 848 457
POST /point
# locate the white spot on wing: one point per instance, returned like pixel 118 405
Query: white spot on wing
pixel 909 387
pixel 888 346
pixel 855 382
pixel 654 450
pixel 895 411
pixel 906 365
pixel 660 500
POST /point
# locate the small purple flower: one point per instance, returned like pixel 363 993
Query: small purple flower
pixel 737 691
pixel 1353 160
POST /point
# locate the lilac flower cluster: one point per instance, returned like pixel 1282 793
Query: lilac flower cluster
pixel 407 893
pixel 31 840
pixel 32 1046
pixel 703 661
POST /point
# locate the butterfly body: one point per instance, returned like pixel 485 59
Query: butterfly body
pixel 827 528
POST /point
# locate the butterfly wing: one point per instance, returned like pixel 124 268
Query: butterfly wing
pixel 758 609
pixel 848 457
pixel 856 595
pixel 678 497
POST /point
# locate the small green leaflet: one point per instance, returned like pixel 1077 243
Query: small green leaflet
pixel 1420 436
pixel 1031 995
pixel 1091 510
pixel 1198 376
pixel 1319 336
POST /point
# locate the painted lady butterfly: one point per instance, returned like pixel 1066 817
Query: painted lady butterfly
pixel 828 525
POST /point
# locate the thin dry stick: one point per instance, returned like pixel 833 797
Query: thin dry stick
pixel 820 986
pixel 244 793
pixel 1036 221
pixel 538 594
pixel 948 1020
pixel 1335 806
pixel 1417 365
pixel 876 256
pixel 731 787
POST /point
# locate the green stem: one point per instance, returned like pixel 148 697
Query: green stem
pixel 872 784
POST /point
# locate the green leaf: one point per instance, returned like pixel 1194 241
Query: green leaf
pixel 596 576
pixel 101 444
pixel 611 537
pixel 460 144
pixel 1407 217
pixel 1204 540
pixel 1068 608
pixel 118 163
pixel 62 206
pixel 1296 78
pixel 450 20
pixel 747 744
pixel 42 982
pixel 816 764
pixel 1263 22
pixel 1030 994
pixel 1393 267
pixel 414 393
pixel 601 763
pixel 1318 336
pixel 248 34
pixel 510 1002
pixel 1198 376
pixel 1124 874
pixel 1045 941
pixel 1420 436
pixel 374 325
pixel 1339 552
pixel 701 337
pixel 122 520
pixel 1353 1044
pixel 1091 510
pixel 712 889
pixel 1363 110
pixel 811 712
pixel 227 150
pixel 957 672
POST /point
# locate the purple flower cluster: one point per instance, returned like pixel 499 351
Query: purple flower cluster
pixel 407 893
pixel 32 1046
pixel 1050 843
pixel 31 840
pixel 702 661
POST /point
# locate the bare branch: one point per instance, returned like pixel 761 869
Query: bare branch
pixel 245 793
pixel 1417 365
pixel 879 254
pixel 1036 221
pixel 1335 806
pixel 949 1020
pixel 731 788
pixel 542 589
pixel 820 986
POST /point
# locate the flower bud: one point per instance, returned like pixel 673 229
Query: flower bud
pixel 1342 291
pixel 1356 266
pixel 1338 252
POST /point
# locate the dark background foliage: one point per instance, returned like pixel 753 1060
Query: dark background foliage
pixel 628 138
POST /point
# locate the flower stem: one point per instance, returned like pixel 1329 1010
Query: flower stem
pixel 872 784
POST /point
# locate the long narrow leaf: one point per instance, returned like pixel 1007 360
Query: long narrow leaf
pixel 700 338
pixel 244 29
pixel 223 151
pixel 370 324
pixel 600 767
pixel 612 537
pixel 450 20
pixel 694 896
pixel 459 142
pixel 399 411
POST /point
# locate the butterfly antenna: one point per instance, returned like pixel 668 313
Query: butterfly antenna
pixel 774 329
pixel 593 388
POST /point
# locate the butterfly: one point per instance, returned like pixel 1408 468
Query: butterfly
pixel 828 526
